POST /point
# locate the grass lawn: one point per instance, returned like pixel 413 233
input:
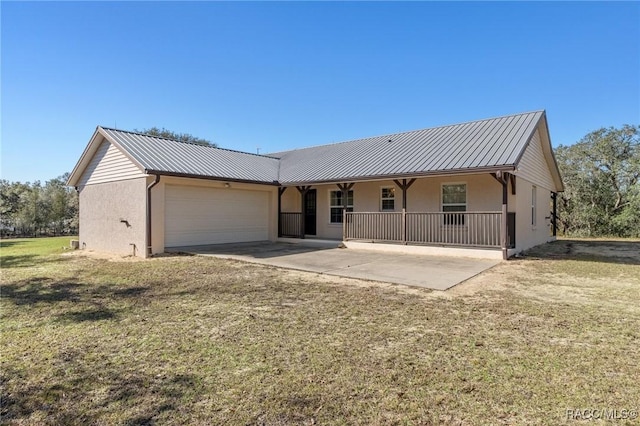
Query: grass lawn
pixel 191 340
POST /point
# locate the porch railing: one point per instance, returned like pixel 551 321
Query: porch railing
pixel 477 229
pixel 289 224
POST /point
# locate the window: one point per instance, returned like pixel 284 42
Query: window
pixel 387 198
pixel 335 202
pixel 533 206
pixel 454 199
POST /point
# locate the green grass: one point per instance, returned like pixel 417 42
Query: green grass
pixel 189 340
pixel 25 251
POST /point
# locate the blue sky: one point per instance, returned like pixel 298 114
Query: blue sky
pixel 285 75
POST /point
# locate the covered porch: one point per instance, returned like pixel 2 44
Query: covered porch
pixel 478 216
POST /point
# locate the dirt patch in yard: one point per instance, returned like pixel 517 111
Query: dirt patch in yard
pixel 578 282
pixel 602 250
pixel 625 252
pixel 111 257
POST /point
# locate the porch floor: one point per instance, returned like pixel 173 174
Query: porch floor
pixel 433 272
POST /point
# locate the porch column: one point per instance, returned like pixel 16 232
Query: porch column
pixel 503 178
pixel 404 186
pixel 554 197
pixel 280 192
pixel 303 207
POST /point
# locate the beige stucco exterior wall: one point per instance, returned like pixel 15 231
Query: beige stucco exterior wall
pixel 290 200
pixel 102 208
pixel 484 193
pixel 158 216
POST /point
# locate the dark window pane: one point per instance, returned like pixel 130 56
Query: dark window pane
pixel 336 198
pixel 452 218
pixel 454 194
pixel 336 215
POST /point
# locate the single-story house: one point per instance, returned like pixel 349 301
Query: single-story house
pixel 483 188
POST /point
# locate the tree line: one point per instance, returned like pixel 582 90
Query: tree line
pixel 36 209
pixel 601 174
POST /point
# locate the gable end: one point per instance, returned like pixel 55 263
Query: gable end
pixel 533 165
pixel 109 164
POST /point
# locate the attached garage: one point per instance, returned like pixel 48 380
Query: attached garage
pixel 140 194
pixel 201 215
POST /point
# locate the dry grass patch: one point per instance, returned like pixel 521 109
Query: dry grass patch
pixel 190 340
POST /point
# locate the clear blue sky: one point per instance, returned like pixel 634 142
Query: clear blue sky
pixel 286 75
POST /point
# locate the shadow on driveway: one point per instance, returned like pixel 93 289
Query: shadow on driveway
pixel 257 250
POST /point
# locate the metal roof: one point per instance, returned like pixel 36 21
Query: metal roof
pixel 166 156
pixel 479 145
pixel 484 145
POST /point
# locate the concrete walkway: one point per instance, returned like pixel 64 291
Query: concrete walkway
pixel 433 272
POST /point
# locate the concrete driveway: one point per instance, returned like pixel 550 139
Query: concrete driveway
pixel 434 272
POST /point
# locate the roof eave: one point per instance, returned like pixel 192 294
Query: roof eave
pixel 435 173
pixel 208 177
pixel 547 152
pixel 90 151
pixel 557 173
pixel 84 159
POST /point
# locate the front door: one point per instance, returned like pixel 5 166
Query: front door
pixel 310 212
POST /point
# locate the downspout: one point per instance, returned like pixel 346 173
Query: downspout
pixel 554 197
pixel 148 242
pixel 78 212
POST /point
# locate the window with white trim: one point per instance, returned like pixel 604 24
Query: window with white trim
pixel 387 198
pixel 454 199
pixel 533 205
pixel 335 205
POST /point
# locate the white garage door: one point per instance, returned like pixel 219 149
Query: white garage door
pixel 196 215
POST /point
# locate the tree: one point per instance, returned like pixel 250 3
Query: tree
pixel 61 203
pixel 31 218
pixel 10 203
pixel 602 183
pixel 180 137
pixel 30 209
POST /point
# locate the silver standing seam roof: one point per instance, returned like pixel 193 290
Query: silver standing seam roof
pixel 163 156
pixel 483 145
